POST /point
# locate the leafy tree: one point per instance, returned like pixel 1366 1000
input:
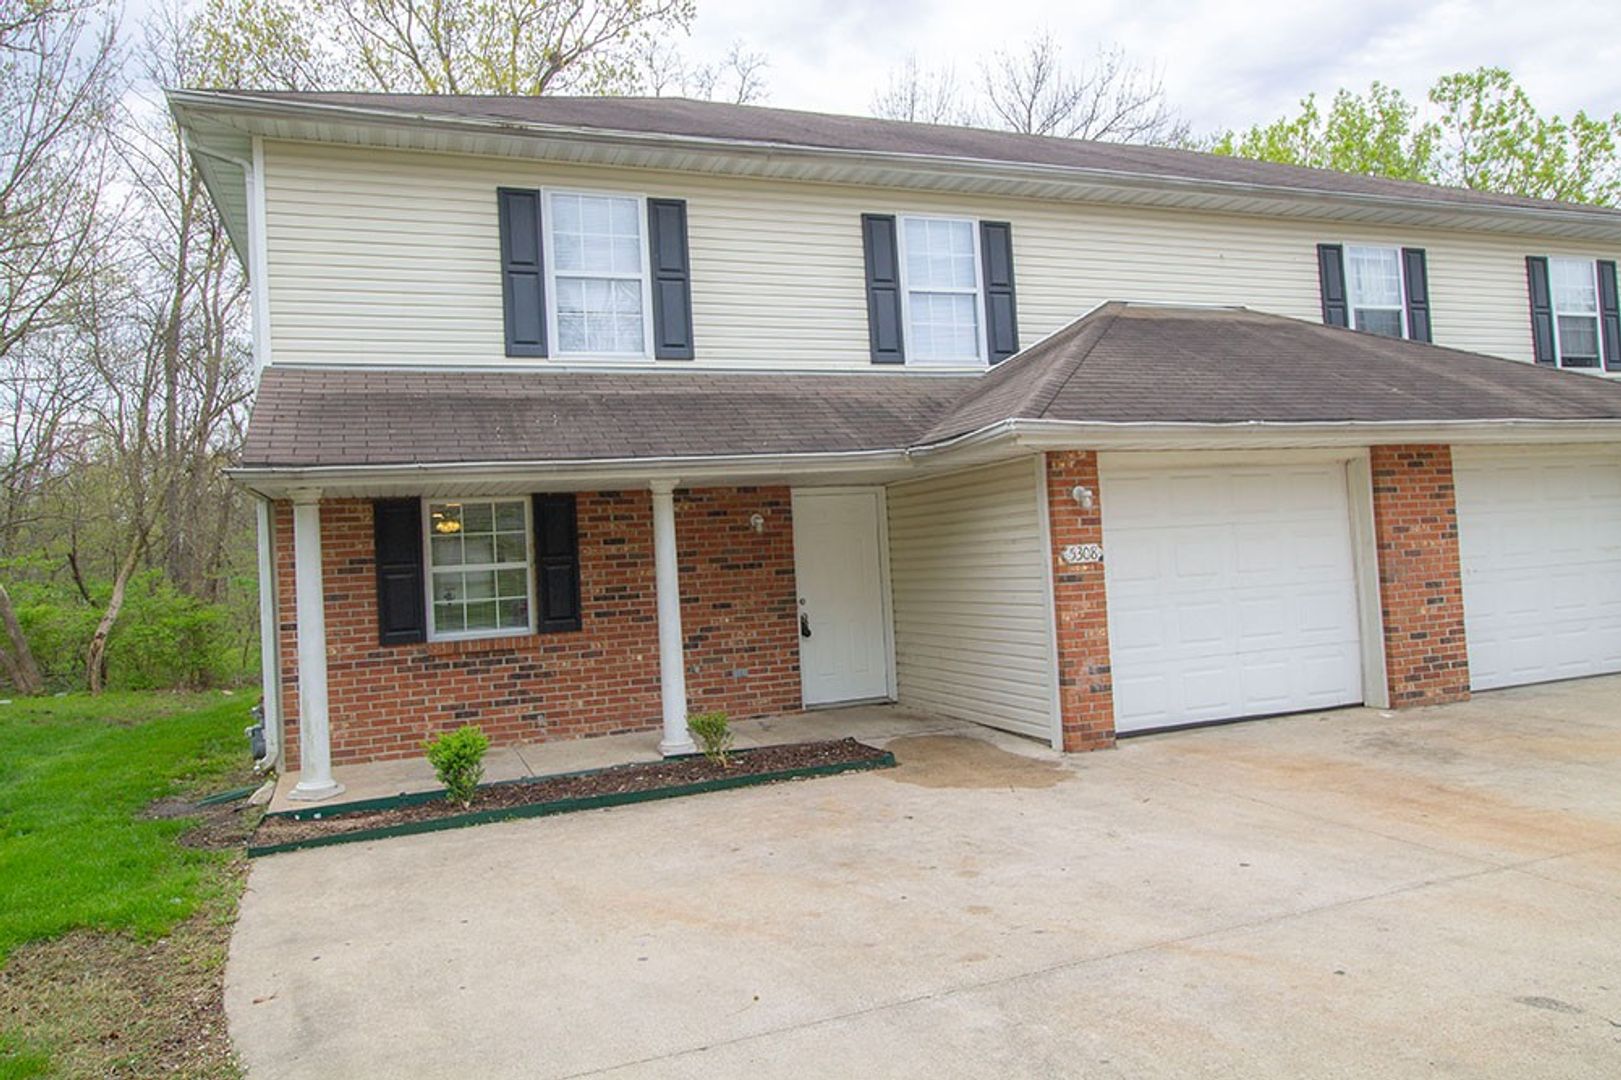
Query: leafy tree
pixel 1376 134
pixel 1486 135
pixel 1496 140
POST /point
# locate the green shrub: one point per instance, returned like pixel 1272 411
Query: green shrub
pixel 714 735
pixel 457 758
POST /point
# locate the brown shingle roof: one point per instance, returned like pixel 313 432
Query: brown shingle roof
pixel 825 131
pixel 1123 363
pixel 309 416
pixel 1135 363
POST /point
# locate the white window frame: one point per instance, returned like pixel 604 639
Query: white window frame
pixel 1597 314
pixel 906 293
pixel 1350 287
pixel 434 633
pixel 547 219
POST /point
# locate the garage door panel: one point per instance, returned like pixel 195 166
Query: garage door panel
pixel 1540 544
pixel 1231 593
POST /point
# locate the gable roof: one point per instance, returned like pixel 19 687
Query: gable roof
pixel 1123 364
pixel 829 131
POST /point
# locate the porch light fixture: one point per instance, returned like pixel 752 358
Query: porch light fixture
pixel 1083 497
pixel 757 522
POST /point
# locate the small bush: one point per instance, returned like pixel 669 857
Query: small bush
pixel 714 734
pixel 457 758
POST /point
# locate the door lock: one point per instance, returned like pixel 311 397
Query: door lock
pixel 804 625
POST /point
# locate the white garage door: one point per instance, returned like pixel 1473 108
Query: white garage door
pixel 1232 592
pixel 1539 537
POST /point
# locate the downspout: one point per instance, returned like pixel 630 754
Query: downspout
pixel 269 640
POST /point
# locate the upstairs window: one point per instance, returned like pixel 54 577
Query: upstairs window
pixel 1374 290
pixel 598 265
pixel 1573 286
pixel 941 290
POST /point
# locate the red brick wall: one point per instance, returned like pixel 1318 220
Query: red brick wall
pixel 1420 581
pixel 1085 686
pixel 738 617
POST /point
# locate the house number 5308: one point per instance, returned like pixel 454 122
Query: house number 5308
pixel 1077 554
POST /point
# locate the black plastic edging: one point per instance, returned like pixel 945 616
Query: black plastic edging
pixel 417 798
pixel 568 806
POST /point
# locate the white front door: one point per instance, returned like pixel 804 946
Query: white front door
pixel 1232 592
pixel 1539 537
pixel 843 650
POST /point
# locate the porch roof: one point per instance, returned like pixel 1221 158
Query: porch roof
pixel 1122 366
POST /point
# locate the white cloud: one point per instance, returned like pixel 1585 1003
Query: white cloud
pixel 1225 63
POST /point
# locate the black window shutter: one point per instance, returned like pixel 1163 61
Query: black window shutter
pixel 557 564
pixel 883 289
pixel 397 538
pixel 1609 310
pixel 1416 275
pixel 1001 306
pixel 1331 278
pixel 672 279
pixel 523 280
pixel 1536 275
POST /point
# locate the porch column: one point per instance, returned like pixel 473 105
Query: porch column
pixel 672 659
pixel 314 732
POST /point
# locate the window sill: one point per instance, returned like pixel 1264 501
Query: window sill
pixel 468 645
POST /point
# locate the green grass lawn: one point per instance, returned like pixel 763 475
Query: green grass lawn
pixel 89 885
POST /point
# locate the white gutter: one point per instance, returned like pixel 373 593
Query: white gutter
pixel 929 163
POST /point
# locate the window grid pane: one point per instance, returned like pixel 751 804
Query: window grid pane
pixel 598 271
pixel 1578 340
pixel 479 561
pixel 944 326
pixel 1380 321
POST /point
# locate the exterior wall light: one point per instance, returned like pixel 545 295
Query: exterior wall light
pixel 757 522
pixel 1083 496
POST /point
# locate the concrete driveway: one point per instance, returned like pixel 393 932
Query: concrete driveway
pixel 1348 894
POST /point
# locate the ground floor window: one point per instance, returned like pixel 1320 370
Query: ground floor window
pixel 478 567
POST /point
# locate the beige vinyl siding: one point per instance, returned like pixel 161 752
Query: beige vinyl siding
pixel 382 256
pixel 972 614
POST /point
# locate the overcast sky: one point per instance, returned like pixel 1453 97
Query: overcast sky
pixel 1225 63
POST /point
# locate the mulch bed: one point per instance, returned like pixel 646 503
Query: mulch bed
pixel 616 780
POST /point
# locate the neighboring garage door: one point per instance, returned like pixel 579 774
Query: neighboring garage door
pixel 1232 592
pixel 1539 537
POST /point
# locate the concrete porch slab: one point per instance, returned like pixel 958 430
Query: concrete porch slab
pixel 874 724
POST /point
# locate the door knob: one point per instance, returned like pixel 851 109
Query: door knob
pixel 804 625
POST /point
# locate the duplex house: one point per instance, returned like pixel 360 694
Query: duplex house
pixel 579 415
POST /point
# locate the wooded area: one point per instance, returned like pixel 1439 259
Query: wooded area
pixel 126 556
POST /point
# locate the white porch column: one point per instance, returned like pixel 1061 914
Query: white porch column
pixel 672 659
pixel 314 732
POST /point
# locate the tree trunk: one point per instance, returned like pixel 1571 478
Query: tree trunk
pixel 96 659
pixel 18 660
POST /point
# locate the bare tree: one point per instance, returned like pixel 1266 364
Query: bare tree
pixel 1032 90
pixel 921 95
pixel 57 69
pixel 738 78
